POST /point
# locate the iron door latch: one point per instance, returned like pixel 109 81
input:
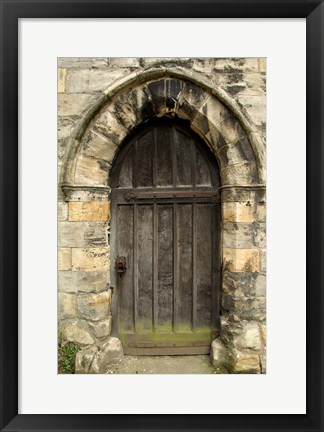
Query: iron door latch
pixel 120 264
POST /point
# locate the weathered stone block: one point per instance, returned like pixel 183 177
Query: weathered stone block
pixel 76 333
pixel 260 285
pixel 190 97
pixel 108 125
pixel 236 64
pixel 102 328
pixel 91 171
pixel 79 281
pixel 238 235
pixel 204 66
pixel 255 84
pixel 249 338
pixel 91 259
pixel 259 235
pixel 94 307
pixel 230 128
pixel 243 172
pixel 91 80
pixel 82 234
pixel 66 306
pixel 242 83
pixel 100 194
pixel 62 145
pixel 261 212
pixel 212 109
pixel 239 195
pixel 241 260
pixel 110 353
pixel 246 362
pixel 263 259
pixel 82 62
pixel 245 308
pixel 74 104
pixel 263 362
pixel 88 211
pixel 124 62
pixel 239 284
pixel 98 147
pixel 65 126
pixel 64 258
pixel 263 333
pixel 255 106
pixel 157 92
pixel 61 75
pixel 239 151
pixel 133 107
pixel 219 355
pixel 62 211
pixel 173 90
pixel 262 64
pixel 84 359
pixel 65 282
pixel 166 61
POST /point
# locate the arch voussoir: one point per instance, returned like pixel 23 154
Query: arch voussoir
pixel 167 95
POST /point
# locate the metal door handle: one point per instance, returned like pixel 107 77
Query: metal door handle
pixel 120 264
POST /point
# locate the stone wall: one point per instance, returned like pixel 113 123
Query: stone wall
pixel 100 101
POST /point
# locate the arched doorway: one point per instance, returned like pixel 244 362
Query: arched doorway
pixel 165 241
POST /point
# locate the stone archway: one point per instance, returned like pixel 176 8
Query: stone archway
pixel 240 154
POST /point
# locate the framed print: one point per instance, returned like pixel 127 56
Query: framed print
pixel 158 292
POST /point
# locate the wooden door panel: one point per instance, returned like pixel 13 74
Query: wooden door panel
pixel 144 266
pixel 164 268
pixel 183 306
pixel 202 173
pixel 126 171
pixel 143 161
pixel 125 247
pixel 183 150
pixel 203 264
pixel 169 234
pixel 216 268
pixel 163 158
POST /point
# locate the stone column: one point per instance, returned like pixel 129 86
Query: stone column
pixel 83 268
pixel 241 346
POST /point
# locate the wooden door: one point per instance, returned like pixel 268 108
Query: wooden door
pixel 166 227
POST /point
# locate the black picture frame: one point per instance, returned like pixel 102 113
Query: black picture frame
pixel 11 11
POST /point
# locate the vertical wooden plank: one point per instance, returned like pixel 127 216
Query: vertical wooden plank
pixel 145 261
pixel 184 297
pixel 144 159
pixel 135 181
pixel 165 268
pixel 155 266
pixel 174 156
pixel 126 171
pixel 215 259
pixel 125 282
pixel 175 267
pixel 154 158
pixel 163 157
pixel 205 301
pixel 202 169
pixel 135 271
pixel 194 266
pixel 183 146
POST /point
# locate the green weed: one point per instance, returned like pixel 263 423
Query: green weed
pixel 66 358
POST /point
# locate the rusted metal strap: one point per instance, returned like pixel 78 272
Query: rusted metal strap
pixel 214 197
